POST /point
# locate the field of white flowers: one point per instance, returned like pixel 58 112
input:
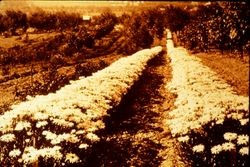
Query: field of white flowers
pixel 57 128
pixel 209 119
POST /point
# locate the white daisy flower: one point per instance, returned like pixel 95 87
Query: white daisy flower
pixel 71 158
pixel 14 153
pixel 198 148
pixel 242 139
pixel 216 149
pixel 230 136
pixel 8 137
pixel 244 151
pixel 40 124
pixel 93 137
pixel 83 146
pixel 22 125
pixel 228 146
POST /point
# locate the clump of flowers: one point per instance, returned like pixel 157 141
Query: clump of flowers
pixel 8 137
pixel 59 125
pixel 207 111
pixel 198 148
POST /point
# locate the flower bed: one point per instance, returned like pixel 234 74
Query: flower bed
pixel 58 127
pixel 207 112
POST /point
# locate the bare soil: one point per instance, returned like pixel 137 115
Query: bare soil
pixel 233 70
pixel 135 134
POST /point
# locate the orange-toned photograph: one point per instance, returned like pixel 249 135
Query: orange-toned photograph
pixel 124 83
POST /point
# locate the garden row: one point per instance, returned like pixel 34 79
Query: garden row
pixel 210 120
pixel 59 127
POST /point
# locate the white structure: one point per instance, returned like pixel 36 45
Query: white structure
pixel 86 18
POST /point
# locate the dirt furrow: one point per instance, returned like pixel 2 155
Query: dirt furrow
pixel 134 133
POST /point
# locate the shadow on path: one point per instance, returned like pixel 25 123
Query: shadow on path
pixel 126 140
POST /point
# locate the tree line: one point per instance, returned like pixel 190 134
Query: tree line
pixel 11 20
pixel 217 25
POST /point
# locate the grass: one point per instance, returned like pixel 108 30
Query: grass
pixel 29 77
pixel 36 38
pixel 8 88
pixel 229 68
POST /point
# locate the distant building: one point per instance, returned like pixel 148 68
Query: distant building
pixel 162 9
pixel 86 18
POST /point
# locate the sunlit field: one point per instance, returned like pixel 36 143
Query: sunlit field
pixel 124 83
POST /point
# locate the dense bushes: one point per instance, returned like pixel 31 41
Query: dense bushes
pixel 10 20
pixel 220 25
pixel 94 38
pixel 176 18
pixel 140 29
pixel 103 24
pixel 59 20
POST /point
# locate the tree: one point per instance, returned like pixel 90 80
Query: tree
pixel 136 34
pixel 177 18
pixel 223 25
pixel 103 24
pixel 13 20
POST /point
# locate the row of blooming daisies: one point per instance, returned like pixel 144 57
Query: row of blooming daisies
pixel 56 128
pixel 209 117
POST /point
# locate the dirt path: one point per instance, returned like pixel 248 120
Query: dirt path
pixel 134 133
pixel 234 71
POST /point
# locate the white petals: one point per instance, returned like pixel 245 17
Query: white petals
pixel 15 153
pixel 71 158
pixel 202 97
pixel 72 114
pixel 242 139
pixel 22 125
pixel 83 146
pixel 7 137
pixel 216 149
pixel 244 151
pixel 92 137
pixel 198 148
pixel 230 136
pixel 228 146
pixel 183 138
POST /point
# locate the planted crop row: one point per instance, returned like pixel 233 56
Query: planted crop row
pixel 58 128
pixel 209 119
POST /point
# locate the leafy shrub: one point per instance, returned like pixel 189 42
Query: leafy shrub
pixel 60 20
pixel 12 20
pixel 220 25
pixel 103 24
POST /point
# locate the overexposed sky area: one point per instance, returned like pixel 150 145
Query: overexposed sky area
pixel 46 3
